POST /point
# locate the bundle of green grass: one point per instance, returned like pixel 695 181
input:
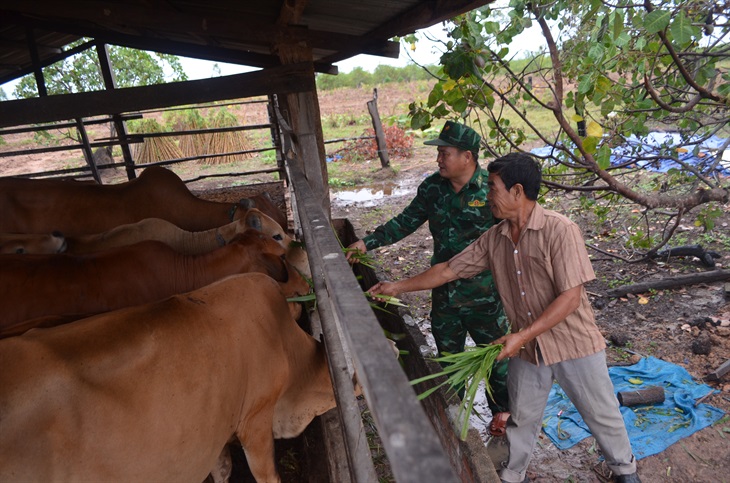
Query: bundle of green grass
pixel 464 370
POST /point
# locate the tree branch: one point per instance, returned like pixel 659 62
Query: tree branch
pixel 680 65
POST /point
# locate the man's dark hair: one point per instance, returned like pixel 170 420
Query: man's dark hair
pixel 474 154
pixel 520 168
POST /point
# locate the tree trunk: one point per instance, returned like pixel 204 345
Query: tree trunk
pixel 680 281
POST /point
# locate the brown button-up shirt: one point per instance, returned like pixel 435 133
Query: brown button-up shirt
pixel 549 258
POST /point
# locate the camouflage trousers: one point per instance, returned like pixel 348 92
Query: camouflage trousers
pixel 485 324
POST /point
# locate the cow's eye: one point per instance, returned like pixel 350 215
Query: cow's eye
pixel 20 250
pixel 278 237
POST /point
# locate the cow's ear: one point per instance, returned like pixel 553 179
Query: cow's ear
pixel 253 220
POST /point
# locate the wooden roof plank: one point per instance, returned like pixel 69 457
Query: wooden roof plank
pixel 282 79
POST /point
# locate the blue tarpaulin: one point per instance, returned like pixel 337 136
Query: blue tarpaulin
pixel 651 429
pixel 658 146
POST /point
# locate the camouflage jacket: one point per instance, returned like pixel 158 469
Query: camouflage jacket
pixel 455 221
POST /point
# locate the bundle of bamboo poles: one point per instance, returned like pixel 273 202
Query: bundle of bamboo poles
pixel 226 142
pixel 156 148
pixel 192 144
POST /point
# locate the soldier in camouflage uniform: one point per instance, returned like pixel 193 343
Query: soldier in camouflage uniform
pixel 454 202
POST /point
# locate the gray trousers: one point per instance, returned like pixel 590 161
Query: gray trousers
pixel 588 385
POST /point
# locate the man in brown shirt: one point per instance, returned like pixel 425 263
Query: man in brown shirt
pixel 539 262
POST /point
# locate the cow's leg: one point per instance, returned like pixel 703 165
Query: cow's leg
pixel 221 472
pixel 257 440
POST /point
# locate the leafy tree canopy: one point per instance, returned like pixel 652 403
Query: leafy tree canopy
pixel 82 72
pixel 604 71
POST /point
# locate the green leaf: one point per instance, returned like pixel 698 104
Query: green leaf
pixel 420 120
pixel 440 111
pixel 682 29
pixel 618 26
pixel 607 107
pixel 436 94
pixel 603 156
pixel 623 39
pixel 589 144
pixel 603 84
pixel 585 84
pixel 596 52
pixel 656 21
pixel 460 105
pixel 457 64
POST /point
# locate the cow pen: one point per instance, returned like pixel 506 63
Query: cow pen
pixel 418 437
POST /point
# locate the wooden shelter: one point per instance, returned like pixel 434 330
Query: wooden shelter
pixel 289 40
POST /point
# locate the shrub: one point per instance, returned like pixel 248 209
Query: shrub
pixel 399 143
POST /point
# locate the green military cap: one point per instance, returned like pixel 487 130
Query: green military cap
pixel 458 136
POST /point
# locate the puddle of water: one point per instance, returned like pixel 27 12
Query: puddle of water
pixel 367 195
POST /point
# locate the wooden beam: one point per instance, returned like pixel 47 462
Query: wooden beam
pixel 254 35
pixel 110 83
pixel 35 60
pixel 423 15
pixel 47 61
pixel 410 441
pixel 291 12
pixel 200 50
pixel 283 79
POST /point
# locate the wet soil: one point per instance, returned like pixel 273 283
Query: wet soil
pixel 663 324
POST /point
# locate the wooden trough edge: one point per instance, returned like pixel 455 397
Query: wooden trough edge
pixel 469 458
pixel 408 437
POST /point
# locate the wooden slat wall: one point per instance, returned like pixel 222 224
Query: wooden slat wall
pixel 409 439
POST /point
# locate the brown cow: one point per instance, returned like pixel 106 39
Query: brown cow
pixel 182 241
pixel 33 286
pixel 45 205
pixel 154 392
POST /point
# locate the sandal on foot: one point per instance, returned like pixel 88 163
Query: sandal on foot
pixel 498 426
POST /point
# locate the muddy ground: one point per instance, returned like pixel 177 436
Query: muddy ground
pixel 659 327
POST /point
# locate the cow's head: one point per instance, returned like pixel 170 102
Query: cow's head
pixel 265 204
pixel 309 394
pixel 296 255
pixel 32 244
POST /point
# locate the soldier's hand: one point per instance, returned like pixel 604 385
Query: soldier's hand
pixel 357 247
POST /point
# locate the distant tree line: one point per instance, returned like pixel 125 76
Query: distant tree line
pixel 383 74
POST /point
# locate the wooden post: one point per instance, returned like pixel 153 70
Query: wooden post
pixel 109 82
pixel 37 70
pixel 378 127
pixel 43 92
pixel 86 148
pixel 302 111
pixel 276 136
